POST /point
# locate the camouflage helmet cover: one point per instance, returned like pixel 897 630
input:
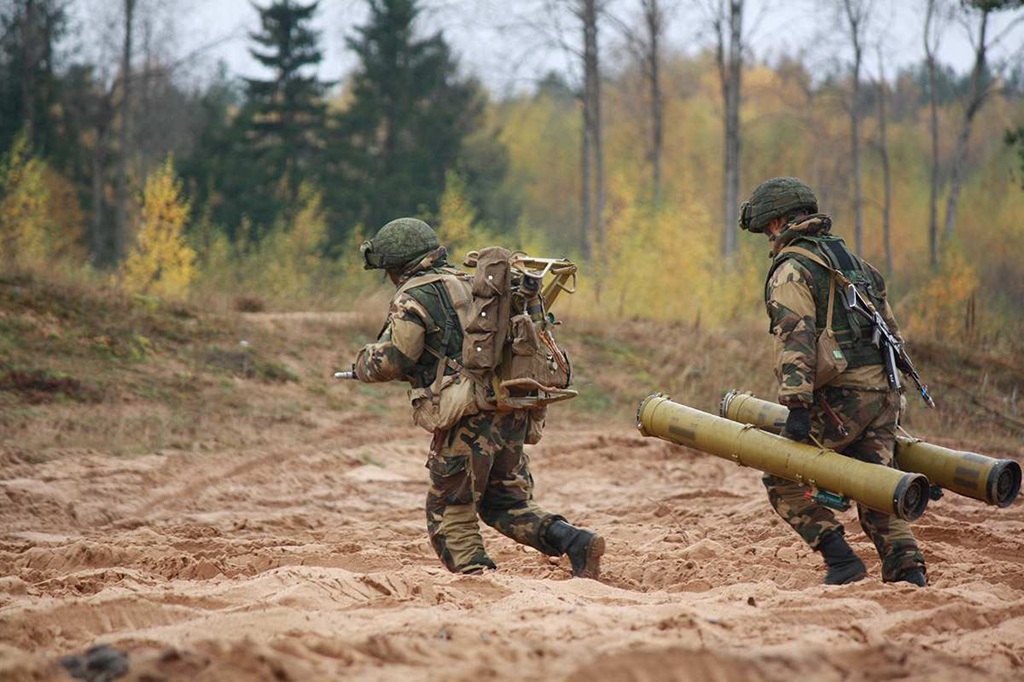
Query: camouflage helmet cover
pixel 774 198
pixel 398 243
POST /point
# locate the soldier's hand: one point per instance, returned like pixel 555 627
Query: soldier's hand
pixel 798 424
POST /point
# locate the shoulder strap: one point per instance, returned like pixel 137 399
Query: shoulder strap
pixel 815 258
pixel 806 253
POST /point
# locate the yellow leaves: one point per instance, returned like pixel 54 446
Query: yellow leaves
pixel 457 216
pixel 288 259
pixel 285 267
pixel 663 264
pixel 39 214
pixel 542 137
pixel 161 262
pixel 938 308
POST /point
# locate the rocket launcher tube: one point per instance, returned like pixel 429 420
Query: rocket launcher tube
pixel 995 481
pixel 881 488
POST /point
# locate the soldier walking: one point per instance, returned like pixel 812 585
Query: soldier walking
pixel 478 467
pixel 831 376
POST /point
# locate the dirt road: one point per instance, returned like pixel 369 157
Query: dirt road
pixel 303 556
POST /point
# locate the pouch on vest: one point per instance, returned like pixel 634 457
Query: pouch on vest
pixel 830 360
pixel 438 408
pixel 535 424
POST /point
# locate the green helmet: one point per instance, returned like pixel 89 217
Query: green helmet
pixel 398 243
pixel 774 198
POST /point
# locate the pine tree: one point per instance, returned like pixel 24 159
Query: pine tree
pixel 405 128
pixel 286 113
pixel 221 173
pixel 29 85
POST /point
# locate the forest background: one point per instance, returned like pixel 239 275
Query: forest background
pixel 126 168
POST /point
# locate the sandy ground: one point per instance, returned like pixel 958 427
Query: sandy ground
pixel 306 558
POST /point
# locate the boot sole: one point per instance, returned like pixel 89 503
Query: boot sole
pixel 595 550
pixel 856 577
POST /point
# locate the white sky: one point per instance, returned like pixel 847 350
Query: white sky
pixel 492 40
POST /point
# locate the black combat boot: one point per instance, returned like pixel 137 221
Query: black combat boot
pixel 844 566
pixel 914 576
pixel 583 547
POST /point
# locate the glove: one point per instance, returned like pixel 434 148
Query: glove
pixel 798 424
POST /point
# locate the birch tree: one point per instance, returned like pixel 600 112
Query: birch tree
pixel 976 16
pixel 645 44
pixel 933 32
pixel 856 14
pixel 727 22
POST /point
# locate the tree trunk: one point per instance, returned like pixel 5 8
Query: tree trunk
pixel 593 192
pixel 730 73
pixel 933 106
pixel 655 27
pixel 100 245
pixel 585 185
pixel 883 153
pixel 29 59
pixel 121 229
pixel 976 97
pixel 855 18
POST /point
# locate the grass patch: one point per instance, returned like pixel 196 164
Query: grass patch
pixel 36 386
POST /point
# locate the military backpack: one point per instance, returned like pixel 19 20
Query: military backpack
pixel 509 357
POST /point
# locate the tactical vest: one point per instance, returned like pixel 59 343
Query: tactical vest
pixel 434 289
pixel 851 331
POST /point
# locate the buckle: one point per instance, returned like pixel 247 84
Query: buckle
pixel 371 261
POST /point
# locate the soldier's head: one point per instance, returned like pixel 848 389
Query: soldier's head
pixel 399 244
pixel 776 203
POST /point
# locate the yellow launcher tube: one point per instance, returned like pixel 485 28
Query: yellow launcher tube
pixel 883 489
pixel 995 481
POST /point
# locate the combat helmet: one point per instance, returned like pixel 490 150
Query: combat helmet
pixel 774 198
pixel 398 243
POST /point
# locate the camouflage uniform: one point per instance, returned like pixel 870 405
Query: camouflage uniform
pixel 796 295
pixel 479 465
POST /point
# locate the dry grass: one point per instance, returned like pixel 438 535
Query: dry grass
pixel 87 367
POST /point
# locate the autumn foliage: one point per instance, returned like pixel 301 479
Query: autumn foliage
pixel 40 220
pixel 161 262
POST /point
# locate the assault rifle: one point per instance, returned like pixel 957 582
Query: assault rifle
pixel 896 357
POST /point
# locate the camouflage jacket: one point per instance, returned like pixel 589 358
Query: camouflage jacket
pixel 796 297
pixel 421 325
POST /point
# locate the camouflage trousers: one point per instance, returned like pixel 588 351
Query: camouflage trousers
pixel 870 420
pixel 482 471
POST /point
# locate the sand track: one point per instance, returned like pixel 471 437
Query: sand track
pixel 307 559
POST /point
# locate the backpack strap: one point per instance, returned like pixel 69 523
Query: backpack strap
pixel 442 359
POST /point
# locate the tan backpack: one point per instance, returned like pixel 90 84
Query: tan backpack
pixel 510 359
pixel 508 334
